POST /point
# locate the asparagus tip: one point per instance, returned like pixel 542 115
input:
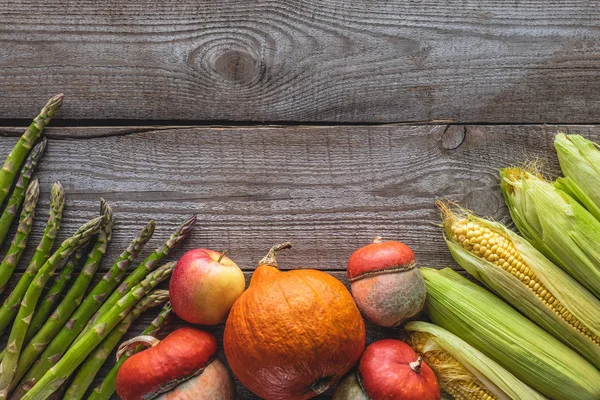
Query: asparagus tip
pixel 92 226
pixel 106 211
pixel 57 197
pixel 54 104
pixel 148 230
pixel 39 148
pixel 188 224
pixel 33 190
pixel 57 99
pixel 57 189
pixel 159 296
pixel 160 273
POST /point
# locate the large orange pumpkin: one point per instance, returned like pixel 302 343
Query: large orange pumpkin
pixel 292 334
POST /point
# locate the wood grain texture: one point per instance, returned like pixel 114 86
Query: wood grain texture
pixel 334 60
pixel 329 190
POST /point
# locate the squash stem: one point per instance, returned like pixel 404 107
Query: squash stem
pixel 416 365
pixel 144 340
pixel 270 258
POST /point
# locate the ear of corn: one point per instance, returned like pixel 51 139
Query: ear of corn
pixel 507 264
pixel 579 160
pixel 530 353
pixel 554 223
pixel 463 371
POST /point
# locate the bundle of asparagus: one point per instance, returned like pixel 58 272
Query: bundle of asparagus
pixel 59 332
pixel 32 295
pixel 94 362
pixel 49 339
pixel 94 303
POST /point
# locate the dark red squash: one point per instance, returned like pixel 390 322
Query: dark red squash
pixel 182 366
pixel 389 370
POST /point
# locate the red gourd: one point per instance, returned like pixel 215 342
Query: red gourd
pixel 390 370
pixel 386 283
pixel 292 335
pixel 182 366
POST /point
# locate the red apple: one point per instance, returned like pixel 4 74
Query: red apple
pixel 390 370
pixel 204 286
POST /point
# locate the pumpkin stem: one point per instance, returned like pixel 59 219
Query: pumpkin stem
pixel 144 340
pixel 222 255
pixel 378 240
pixel 270 259
pixel 416 365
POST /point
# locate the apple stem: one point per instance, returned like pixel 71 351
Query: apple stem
pixel 416 365
pixel 222 255
pixel 378 240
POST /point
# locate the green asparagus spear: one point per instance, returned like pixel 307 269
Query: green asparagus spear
pixel 143 269
pixel 155 326
pixel 86 374
pixel 72 299
pixel 84 312
pixel 61 371
pixel 16 157
pixel 18 194
pixel 17 246
pixel 11 304
pixel 23 319
pixel 108 386
pixel 52 296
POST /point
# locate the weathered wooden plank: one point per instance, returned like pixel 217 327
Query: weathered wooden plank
pixel 344 61
pixel 327 189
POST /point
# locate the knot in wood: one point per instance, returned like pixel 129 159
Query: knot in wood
pixel 236 66
pixel 482 202
pixel 453 137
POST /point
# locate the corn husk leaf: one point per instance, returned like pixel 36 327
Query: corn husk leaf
pixel 555 224
pixel 569 186
pixel 503 384
pixel 493 327
pixel 579 160
pixel 575 298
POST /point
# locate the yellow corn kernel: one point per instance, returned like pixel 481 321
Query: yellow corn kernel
pixel 507 257
pixel 454 378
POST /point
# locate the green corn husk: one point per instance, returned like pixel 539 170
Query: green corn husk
pixel 569 186
pixel 579 160
pixel 579 328
pixel 555 224
pixel 456 363
pixel 485 322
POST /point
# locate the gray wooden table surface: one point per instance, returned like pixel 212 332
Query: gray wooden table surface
pixel 322 123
